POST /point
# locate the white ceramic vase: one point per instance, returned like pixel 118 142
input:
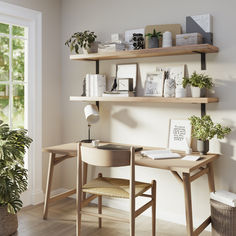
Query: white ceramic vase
pixel 180 92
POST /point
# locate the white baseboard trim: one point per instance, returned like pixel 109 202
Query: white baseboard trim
pixel 37 197
pixel 122 204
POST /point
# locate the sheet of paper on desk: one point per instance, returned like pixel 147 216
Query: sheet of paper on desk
pixel 191 158
pixel 160 154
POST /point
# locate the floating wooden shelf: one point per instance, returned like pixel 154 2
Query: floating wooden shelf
pixel 145 99
pixel 154 52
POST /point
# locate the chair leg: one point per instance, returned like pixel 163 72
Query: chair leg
pixel 100 211
pixel 153 208
pixel 100 207
pixel 49 184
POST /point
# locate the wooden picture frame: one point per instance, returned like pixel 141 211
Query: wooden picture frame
pixel 180 134
pixel 154 84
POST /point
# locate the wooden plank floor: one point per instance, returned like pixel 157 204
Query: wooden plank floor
pixel 61 222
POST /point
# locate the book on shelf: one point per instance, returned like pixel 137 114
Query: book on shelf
pixel 95 85
pixel 118 94
pixel 111 47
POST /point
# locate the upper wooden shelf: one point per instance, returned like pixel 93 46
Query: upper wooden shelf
pixel 153 52
pixel 145 99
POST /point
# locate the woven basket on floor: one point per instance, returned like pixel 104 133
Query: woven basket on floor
pixel 223 219
pixel 8 222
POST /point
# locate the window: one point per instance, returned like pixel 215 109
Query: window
pixel 13 74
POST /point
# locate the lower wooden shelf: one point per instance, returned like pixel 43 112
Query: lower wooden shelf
pixel 146 99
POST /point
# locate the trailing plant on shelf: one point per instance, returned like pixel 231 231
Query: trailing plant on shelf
pixel 13 175
pixel 204 129
pixel 83 40
pixel 199 83
pixel 153 39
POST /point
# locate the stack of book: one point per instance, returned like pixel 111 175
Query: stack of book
pixel 118 94
pixel 95 85
pixel 111 47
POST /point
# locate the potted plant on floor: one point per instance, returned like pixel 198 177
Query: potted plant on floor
pixel 204 129
pixel 13 176
pixel 84 41
pixel 199 84
pixel 153 39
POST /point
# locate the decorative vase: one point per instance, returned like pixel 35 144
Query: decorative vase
pixel 92 49
pixel 153 42
pixel 198 92
pixel 167 39
pixel 180 92
pixel 203 146
pixel 8 222
pixel 169 88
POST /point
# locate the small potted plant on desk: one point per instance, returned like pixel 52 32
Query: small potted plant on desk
pixel 199 84
pixel 204 129
pixel 153 39
pixel 83 42
pixel 13 176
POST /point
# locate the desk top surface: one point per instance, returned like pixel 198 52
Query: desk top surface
pixel 167 164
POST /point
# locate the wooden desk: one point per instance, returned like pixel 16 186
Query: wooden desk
pixel 182 171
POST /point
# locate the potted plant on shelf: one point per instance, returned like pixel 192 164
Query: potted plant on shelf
pixel 13 175
pixel 153 39
pixel 83 41
pixel 199 83
pixel 204 129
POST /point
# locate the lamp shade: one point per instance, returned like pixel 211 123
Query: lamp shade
pixel 91 114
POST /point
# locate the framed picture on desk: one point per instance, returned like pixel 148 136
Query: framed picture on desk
pixel 179 134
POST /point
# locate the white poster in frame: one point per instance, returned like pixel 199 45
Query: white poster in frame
pixel 154 84
pixel 179 134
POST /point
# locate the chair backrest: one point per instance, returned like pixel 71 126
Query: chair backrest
pixel 109 158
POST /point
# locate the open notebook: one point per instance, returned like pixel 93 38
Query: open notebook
pixel 160 154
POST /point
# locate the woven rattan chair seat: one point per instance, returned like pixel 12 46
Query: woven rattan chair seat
pixel 113 187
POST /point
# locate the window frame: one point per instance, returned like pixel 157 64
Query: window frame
pixel 32 19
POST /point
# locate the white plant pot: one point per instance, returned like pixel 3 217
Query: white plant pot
pixel 196 92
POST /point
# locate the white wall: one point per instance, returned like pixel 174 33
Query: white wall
pixel 51 75
pixel 147 124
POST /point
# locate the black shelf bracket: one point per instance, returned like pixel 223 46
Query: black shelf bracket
pixel 203 59
pixel 203 109
pixel 97 72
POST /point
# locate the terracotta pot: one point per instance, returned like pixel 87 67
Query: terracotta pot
pixel 203 146
pixel 8 222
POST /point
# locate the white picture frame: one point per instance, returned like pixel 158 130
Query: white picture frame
pixel 180 132
pixel 154 84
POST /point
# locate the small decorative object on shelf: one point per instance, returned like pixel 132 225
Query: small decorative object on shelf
pixel 167 39
pixel 169 87
pixel 199 83
pixel 129 37
pixel 125 84
pixel 188 39
pixel 202 24
pixel 83 40
pixel 204 130
pixel 84 88
pixel 153 39
pixel 138 41
pixel 154 84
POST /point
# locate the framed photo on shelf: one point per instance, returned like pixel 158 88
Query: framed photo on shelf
pixel 179 134
pixel 154 84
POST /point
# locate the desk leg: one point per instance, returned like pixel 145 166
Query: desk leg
pixel 188 204
pixel 49 184
pixel 211 181
pixel 85 170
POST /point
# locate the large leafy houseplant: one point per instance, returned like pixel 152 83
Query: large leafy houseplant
pixel 199 83
pixel 13 175
pixel 81 40
pixel 204 129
